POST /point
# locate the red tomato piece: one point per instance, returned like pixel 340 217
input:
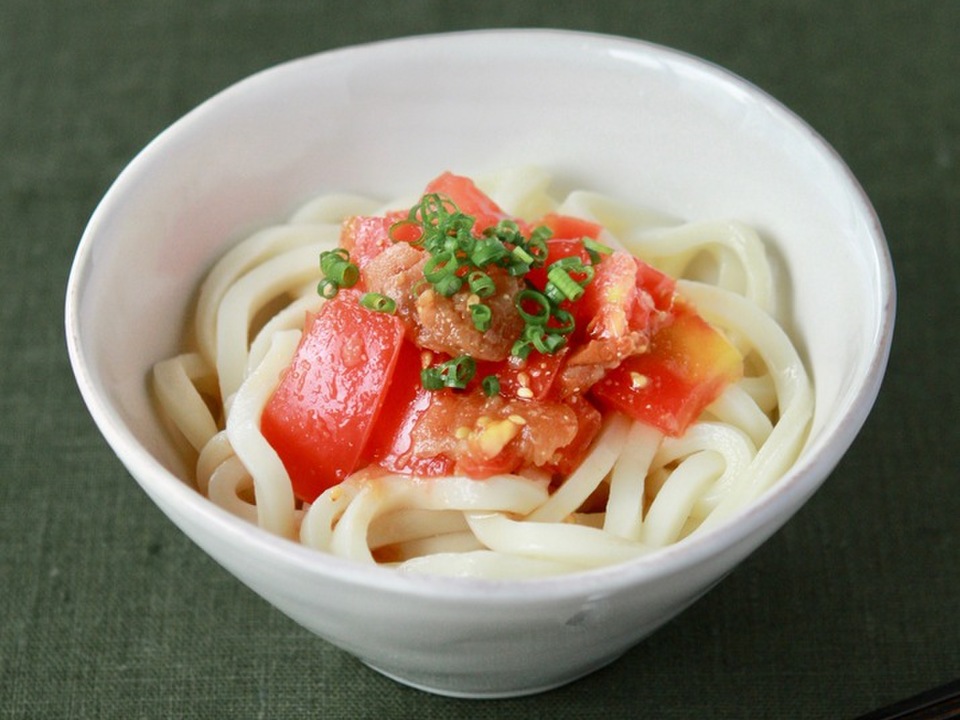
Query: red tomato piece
pixel 687 367
pixel 557 249
pixel 537 373
pixel 321 415
pixel 589 420
pixel 479 467
pixel 469 199
pixel 365 237
pixel 404 405
pixel 568 227
pixel 659 286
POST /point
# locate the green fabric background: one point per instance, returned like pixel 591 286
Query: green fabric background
pixel 107 611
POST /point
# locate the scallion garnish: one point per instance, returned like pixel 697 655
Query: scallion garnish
pixel 568 287
pixel 533 306
pixel 481 284
pixel 378 303
pixel 564 322
pixel 454 373
pixel 490 385
pixel 481 316
pixel 461 259
pixel 327 289
pixel 336 267
pixel 521 348
pixel 487 251
pixel 595 249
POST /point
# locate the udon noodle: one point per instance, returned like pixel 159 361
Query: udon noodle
pixel 657 489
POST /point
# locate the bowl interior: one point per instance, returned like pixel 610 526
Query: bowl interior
pixel 636 121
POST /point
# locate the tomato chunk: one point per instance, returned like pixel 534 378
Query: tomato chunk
pixel 687 367
pixel 530 379
pixel 326 405
pixel 659 286
pixel 406 401
pixel 365 237
pixel 469 199
pixel 567 227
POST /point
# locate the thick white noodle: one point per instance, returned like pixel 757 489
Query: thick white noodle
pixel 214 454
pixel 737 407
pixel 742 265
pixel 339 520
pixel 246 296
pixel 728 442
pixel 330 210
pixel 274 493
pixel 410 524
pixel 177 383
pixel 673 503
pixel 558 541
pixel 657 489
pixel 624 516
pixel 485 564
pixel 523 190
pixel 241 258
pixel 227 483
pixel 290 318
pixel 794 391
pixel 591 472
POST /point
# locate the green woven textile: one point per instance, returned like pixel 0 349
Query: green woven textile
pixel 108 611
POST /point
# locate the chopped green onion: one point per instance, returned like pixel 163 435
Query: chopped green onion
pixel 490 385
pixel 465 242
pixel 486 251
pixel 378 303
pixel 540 234
pixel 440 266
pixel 336 265
pixel 522 255
pixel 540 317
pixel 432 208
pixel 440 271
pixel 537 248
pixel 481 284
pixel 566 322
pixel 565 284
pixel 544 342
pixel 595 249
pixel 327 289
pixel 455 373
pixel 330 258
pixel 448 285
pixel 481 316
pixel 554 294
pixel 516 268
pixel 408 231
pixel 521 348
pixel 431 379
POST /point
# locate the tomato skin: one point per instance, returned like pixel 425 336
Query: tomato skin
pixel 687 367
pixel 321 415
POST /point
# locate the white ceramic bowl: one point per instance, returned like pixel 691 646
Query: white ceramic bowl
pixel 620 116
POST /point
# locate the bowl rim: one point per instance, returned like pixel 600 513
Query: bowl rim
pixel 802 480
